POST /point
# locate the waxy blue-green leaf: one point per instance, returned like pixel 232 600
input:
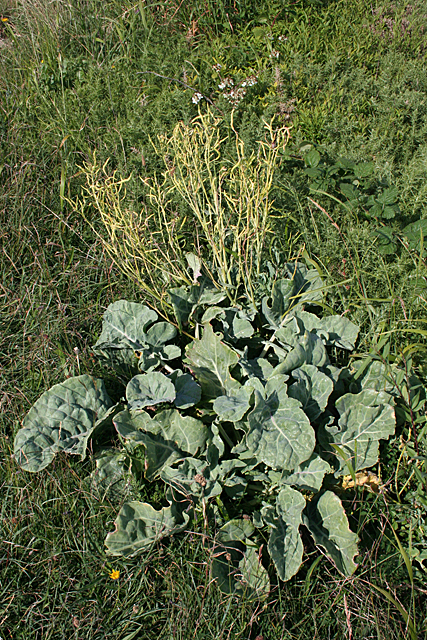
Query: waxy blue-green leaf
pixel 252 575
pixel 285 544
pixel 236 323
pixel 210 360
pixel 326 520
pixel 149 389
pixel 111 476
pixel 236 530
pixel 188 392
pixel 276 383
pixel 228 552
pixel 193 479
pixel 160 333
pixel 150 358
pixel 123 360
pixel 312 388
pixel 232 408
pixel 256 368
pixel 155 350
pixel 215 449
pixel 308 284
pixel 334 330
pixel 160 449
pixel 139 526
pixel 195 265
pixel 235 487
pixel 365 419
pixel 289 334
pixel 236 567
pixel 188 433
pixel 309 475
pixel 186 301
pixel 308 349
pixel 281 300
pixel 62 419
pixel 280 434
pixel 372 375
pixel 124 323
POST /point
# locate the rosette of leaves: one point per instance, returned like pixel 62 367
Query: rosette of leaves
pixel 253 426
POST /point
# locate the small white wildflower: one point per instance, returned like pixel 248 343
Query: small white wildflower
pixel 227 82
pixel 274 54
pixel 235 96
pixel 197 97
pixel 282 38
pixel 217 67
pixel 251 81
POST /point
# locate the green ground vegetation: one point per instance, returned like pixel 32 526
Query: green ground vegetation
pixel 84 77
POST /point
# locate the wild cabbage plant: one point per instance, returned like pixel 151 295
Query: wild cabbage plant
pixel 250 423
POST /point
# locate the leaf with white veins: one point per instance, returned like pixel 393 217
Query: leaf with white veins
pixel 62 419
pixel 285 544
pixel 328 524
pixel 139 526
pixel 210 361
pixel 149 389
pixel 280 434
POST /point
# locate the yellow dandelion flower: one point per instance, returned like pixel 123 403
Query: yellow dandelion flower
pixel 114 575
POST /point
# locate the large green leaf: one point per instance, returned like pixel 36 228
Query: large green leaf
pixel 280 434
pixel 139 526
pixel 159 450
pixel 194 479
pixel 328 524
pixel 236 567
pixel 312 388
pixel 122 359
pixel 285 544
pixel 126 331
pixel 334 330
pixel 124 323
pixel 210 360
pixel 257 368
pixel 188 392
pixel 308 284
pixel 252 575
pixel 309 475
pixel 189 433
pixel 62 419
pixel 149 389
pixel 111 476
pixel 288 294
pixel 236 530
pixel 166 437
pixel 307 348
pixel 236 323
pixel 371 375
pixel 281 299
pixel 186 301
pixel 232 408
pixel 155 350
pixel 365 419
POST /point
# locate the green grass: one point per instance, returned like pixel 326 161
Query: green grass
pixel 80 76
